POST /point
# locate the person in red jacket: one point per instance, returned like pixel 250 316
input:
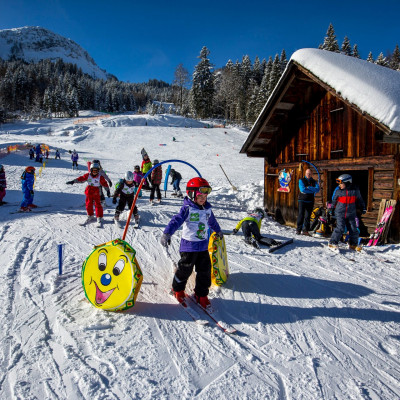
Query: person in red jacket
pixel 156 177
pixel 92 192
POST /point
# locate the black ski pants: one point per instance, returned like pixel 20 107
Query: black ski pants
pixel 202 263
pixel 303 219
pixel 251 228
pixel 123 201
pixel 155 188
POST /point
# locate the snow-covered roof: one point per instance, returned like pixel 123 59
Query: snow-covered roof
pixel 374 89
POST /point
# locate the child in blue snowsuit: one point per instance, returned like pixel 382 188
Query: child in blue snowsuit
pixel 27 180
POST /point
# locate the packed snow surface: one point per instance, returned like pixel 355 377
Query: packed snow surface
pixel 311 324
pixel 372 88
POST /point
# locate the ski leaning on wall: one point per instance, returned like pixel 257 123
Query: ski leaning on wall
pixel 380 228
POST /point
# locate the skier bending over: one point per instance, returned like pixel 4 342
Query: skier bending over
pixel 92 192
pixel 345 200
pixel 196 217
pixel 176 178
pixel 126 193
pixel 251 226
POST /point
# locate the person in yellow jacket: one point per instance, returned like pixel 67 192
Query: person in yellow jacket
pixel 251 226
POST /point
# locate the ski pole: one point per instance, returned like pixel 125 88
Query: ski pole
pixel 233 187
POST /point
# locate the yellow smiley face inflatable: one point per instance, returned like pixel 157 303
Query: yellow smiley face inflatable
pixel 111 276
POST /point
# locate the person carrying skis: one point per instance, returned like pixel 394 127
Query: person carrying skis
pixel 3 184
pixel 345 201
pixel 74 158
pixel 92 192
pixel 156 177
pixel 137 177
pixel 251 226
pixel 175 180
pixel 308 187
pixel 196 217
pixel 125 191
pixel 27 180
pixel 105 176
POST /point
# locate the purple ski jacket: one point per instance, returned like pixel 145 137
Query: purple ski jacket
pixel 195 220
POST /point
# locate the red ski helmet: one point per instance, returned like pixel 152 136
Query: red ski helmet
pixel 30 170
pixel 197 185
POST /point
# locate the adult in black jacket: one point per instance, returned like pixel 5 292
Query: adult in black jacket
pixel 308 187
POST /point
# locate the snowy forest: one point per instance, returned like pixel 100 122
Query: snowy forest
pixel 235 93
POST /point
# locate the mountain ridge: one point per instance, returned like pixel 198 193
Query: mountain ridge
pixel 35 43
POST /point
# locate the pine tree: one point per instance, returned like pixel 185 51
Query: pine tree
pixel 395 59
pixel 181 80
pixel 283 60
pixel 370 58
pixel 356 54
pixel 346 47
pixel 381 60
pixel 275 74
pixel 330 42
pixel 257 71
pixel 203 86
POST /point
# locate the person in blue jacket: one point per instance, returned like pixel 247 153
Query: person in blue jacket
pixel 38 151
pixel 196 217
pixel 345 202
pixel 27 180
pixel 308 188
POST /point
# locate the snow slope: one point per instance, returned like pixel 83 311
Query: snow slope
pixel 311 325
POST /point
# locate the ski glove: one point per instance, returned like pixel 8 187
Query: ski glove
pixel 114 200
pixel 32 192
pixel 364 212
pixel 108 193
pixel 219 235
pixel 235 231
pixel 70 182
pixel 165 239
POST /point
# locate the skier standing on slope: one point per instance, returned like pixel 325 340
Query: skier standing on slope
pixel 125 190
pixel 156 177
pixel 105 176
pixel 74 158
pixel 346 198
pixel 196 217
pixel 251 226
pixel 92 192
pixel 27 180
pixel 146 166
pixel 3 184
pixel 137 177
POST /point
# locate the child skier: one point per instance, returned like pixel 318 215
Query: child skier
pixel 175 180
pixel 92 192
pixel 137 177
pixel 58 155
pixel 3 184
pixel 31 153
pixel 126 193
pixel 146 166
pixel 196 216
pixel 346 198
pixel 251 226
pixel 105 176
pixel 156 177
pixel 74 158
pixel 27 180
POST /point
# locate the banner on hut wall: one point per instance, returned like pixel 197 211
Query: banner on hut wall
pixel 284 179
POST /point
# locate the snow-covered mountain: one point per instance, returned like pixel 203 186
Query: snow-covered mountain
pixel 34 43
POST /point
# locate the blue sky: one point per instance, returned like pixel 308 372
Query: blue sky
pixel 141 40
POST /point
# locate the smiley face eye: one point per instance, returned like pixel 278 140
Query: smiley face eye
pixel 118 267
pixel 102 261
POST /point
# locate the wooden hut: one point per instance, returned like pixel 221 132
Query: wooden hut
pixel 343 115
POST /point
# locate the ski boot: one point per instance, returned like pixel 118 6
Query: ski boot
pixel 355 247
pixel 333 247
pixel 179 194
pixel 180 295
pixel 88 220
pixel 24 209
pixel 32 206
pixel 137 221
pixel 117 222
pixel 203 301
pixel 99 223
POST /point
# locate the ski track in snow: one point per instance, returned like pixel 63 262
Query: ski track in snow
pixel 311 325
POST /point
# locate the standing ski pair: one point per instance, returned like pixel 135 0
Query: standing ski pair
pixel 197 217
